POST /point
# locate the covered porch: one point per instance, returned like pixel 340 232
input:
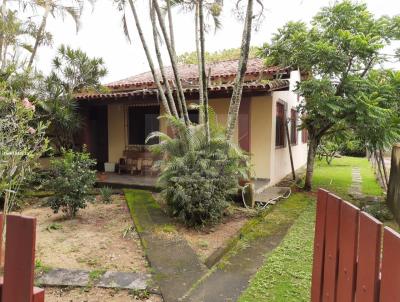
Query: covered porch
pixel 119 181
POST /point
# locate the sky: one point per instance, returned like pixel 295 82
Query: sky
pixel 101 33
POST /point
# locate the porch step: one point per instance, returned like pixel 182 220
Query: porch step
pixel 271 194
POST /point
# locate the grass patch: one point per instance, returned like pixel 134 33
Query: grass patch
pixel 337 176
pixel 286 275
pixel 268 223
pixel 41 268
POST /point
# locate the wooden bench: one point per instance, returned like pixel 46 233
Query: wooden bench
pixel 138 162
pixel 349 264
pixel 17 282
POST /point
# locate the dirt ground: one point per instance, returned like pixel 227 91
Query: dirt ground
pixel 206 241
pixel 95 295
pixel 101 237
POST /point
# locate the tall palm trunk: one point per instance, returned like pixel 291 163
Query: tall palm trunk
pixel 238 87
pixel 164 100
pixel 40 32
pixel 203 76
pixel 2 36
pixel 161 63
pixel 172 56
pixel 201 93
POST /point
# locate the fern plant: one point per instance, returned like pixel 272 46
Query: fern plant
pixel 198 178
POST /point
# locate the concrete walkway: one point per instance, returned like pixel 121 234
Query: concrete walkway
pixel 83 278
pixel 175 265
pixel 228 282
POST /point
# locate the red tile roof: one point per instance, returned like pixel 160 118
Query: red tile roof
pixel 257 78
pixel 272 85
pixel 223 69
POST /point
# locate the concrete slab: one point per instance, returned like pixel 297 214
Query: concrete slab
pixel 65 277
pixel 81 278
pixel 134 281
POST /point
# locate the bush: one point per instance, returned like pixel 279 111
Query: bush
pixel 380 211
pixel 72 183
pixel 198 178
pixel 106 193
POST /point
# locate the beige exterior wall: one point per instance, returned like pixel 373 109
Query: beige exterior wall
pixel 260 136
pixel 116 132
pixel 221 108
pixel 280 159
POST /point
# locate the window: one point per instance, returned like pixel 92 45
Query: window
pixel 280 125
pixel 293 127
pixel 141 122
pixel 194 116
pixel 304 136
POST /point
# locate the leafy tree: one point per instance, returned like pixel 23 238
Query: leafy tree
pixel 73 71
pixel 22 142
pixel 217 56
pixel 335 54
pixel 72 182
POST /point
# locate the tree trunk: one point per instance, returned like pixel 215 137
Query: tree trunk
pixel 312 149
pixel 39 34
pixel 161 63
pixel 201 93
pixel 149 59
pixel 380 174
pixel 238 87
pixel 384 167
pixel 3 17
pixel 172 56
pixel 203 75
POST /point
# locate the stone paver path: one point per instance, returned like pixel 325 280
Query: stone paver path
pixel 355 189
pixel 81 278
pixel 175 265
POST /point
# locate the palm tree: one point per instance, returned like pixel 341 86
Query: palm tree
pixel 74 9
pixel 238 87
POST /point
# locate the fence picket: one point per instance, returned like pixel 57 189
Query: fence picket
pixel 331 248
pixel 348 239
pixel 390 278
pixel 367 286
pixel 20 259
pixel 319 246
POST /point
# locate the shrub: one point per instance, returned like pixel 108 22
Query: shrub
pixel 379 210
pixel 72 183
pixel 106 193
pixel 198 178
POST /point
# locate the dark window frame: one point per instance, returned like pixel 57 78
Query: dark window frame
pixel 137 135
pixel 293 127
pixel 280 131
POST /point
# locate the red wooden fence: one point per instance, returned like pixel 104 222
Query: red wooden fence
pixel 19 261
pixel 350 264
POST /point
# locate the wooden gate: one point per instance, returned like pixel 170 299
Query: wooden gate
pixel 350 264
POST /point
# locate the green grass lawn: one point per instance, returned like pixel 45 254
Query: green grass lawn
pixel 286 274
pixel 337 176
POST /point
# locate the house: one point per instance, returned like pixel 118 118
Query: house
pixel 122 118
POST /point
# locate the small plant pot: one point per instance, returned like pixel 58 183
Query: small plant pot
pixel 102 176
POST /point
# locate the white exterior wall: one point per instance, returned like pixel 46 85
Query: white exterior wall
pixel 280 159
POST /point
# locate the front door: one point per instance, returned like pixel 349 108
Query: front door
pixel 98 125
